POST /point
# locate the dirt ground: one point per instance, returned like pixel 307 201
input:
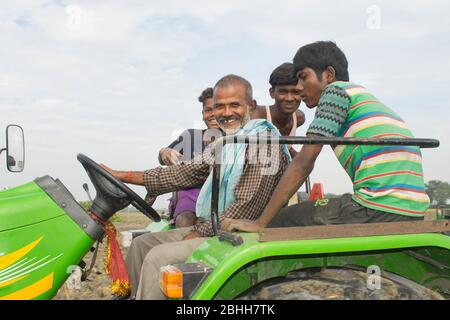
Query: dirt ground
pixel 97 287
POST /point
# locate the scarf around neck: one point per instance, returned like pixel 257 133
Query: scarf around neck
pixel 232 165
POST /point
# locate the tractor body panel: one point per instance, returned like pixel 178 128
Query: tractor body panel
pixel 40 243
pixel 163 225
pixel 422 258
pixel 26 205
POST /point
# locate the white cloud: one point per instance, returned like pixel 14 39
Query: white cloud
pixel 118 85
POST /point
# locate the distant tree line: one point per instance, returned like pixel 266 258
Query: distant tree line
pixel 438 191
pixel 87 206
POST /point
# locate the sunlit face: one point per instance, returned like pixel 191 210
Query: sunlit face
pixel 231 108
pixel 208 114
pixel 287 98
pixel 310 86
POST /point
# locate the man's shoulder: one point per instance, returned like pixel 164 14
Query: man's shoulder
pixel 259 113
pixel 300 117
pixel 346 86
pixel 337 93
pixel 337 86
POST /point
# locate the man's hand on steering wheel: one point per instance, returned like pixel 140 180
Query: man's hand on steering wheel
pixel 112 193
pixel 113 172
pixel 133 177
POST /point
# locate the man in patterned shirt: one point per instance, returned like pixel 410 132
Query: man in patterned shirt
pixel 233 104
pixel 387 181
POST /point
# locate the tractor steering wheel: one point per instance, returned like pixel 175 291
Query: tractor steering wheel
pixel 112 194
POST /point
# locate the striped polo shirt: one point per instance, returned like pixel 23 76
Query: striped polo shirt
pixel 385 178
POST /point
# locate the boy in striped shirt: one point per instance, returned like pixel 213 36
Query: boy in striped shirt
pixel 388 184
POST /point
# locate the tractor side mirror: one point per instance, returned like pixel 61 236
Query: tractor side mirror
pixel 15 148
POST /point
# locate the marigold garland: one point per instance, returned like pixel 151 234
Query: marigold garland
pixel 114 263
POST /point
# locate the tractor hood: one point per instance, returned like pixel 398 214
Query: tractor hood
pixel 41 200
pixel 25 205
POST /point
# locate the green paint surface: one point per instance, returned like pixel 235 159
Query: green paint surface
pixel 236 269
pixel 27 214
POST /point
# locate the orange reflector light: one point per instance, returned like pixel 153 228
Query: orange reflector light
pixel 171 281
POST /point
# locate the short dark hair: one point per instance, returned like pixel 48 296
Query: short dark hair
pixel 320 55
pixel 206 94
pixel 233 79
pixel 283 75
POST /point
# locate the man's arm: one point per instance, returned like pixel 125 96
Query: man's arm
pixel 292 179
pixel 167 179
pixel 300 117
pixel 173 178
pixel 300 121
pixel 133 177
pixel 252 193
pixel 292 152
pixel 259 113
pixel 333 104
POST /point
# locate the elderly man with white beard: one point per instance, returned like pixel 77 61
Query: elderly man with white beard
pixel 249 186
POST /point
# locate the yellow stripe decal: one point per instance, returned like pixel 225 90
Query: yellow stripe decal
pixel 4 284
pixel 33 291
pixel 9 259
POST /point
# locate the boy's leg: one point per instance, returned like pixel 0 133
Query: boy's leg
pixel 141 246
pixel 162 255
pixel 353 212
pixel 308 213
pixel 341 210
pixel 185 219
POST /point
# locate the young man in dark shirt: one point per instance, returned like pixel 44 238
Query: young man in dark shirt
pixel 190 143
pixel 284 113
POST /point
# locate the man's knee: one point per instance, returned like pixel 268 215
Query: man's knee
pixel 156 258
pixel 140 245
pixel 137 242
pixel 171 252
pixel 134 246
pixel 185 219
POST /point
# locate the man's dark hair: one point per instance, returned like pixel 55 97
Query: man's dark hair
pixel 320 55
pixel 206 94
pixel 283 75
pixel 234 79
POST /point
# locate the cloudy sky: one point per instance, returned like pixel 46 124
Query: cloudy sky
pixel 117 80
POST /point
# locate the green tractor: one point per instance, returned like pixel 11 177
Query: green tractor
pixel 44 233
pixel 396 260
